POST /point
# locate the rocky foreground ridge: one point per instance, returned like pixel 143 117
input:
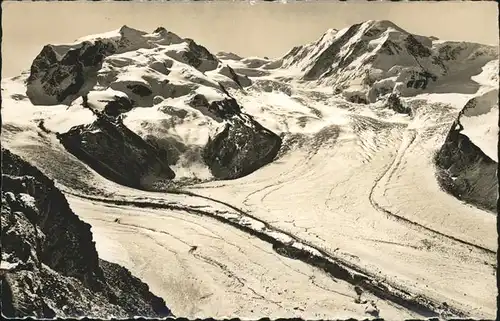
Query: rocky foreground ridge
pixel 50 267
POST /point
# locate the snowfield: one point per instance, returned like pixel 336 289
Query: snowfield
pixel 351 200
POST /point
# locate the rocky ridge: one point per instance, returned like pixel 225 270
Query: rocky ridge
pixel 466 171
pixel 50 267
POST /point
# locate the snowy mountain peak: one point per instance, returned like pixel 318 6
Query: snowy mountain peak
pixel 381 25
pixel 129 39
pixel 316 58
pixel 131 32
pixel 161 62
pixel 370 60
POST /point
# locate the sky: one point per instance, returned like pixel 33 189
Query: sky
pixel 262 29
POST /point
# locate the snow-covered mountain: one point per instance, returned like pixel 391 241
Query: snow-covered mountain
pixel 363 162
pixel 170 91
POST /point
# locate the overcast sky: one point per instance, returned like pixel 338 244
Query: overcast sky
pixel 263 29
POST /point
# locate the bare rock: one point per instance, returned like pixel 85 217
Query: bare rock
pixel 50 266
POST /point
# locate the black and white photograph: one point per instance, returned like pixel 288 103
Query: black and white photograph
pixel 323 160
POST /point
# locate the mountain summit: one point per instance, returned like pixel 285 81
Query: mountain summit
pixel 126 58
pixel 371 59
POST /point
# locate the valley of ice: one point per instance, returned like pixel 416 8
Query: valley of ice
pixel 354 182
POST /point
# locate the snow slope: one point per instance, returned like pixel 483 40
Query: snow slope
pixel 354 181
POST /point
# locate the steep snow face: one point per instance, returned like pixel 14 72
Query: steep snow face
pixel 303 57
pixel 480 115
pixel 370 60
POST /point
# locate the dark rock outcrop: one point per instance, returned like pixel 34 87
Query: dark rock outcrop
pixel 218 110
pixel 199 57
pixel 241 81
pixel 465 171
pixel 416 48
pixel 117 153
pixel 226 108
pixel 241 148
pixel 50 267
pixel 356 98
pixel 394 102
pixel 59 77
pixel 118 106
pixel 140 90
pixel 420 80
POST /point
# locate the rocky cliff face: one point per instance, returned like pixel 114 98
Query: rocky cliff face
pixel 59 77
pixel 241 148
pixel 465 170
pixel 117 153
pixel 50 266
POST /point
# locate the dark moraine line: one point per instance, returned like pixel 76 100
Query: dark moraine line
pixel 418 304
